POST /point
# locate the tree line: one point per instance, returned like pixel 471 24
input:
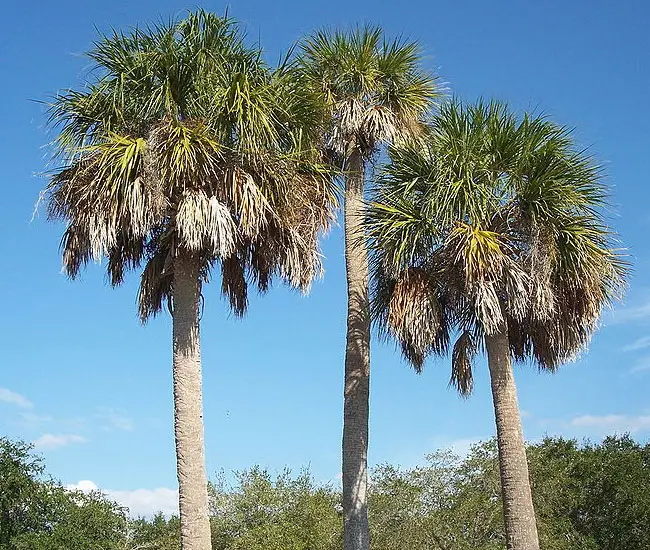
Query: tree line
pixel 588 496
pixel 186 156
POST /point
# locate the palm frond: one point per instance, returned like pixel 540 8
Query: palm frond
pixel 506 215
pixel 185 141
pixel 374 88
pixel 462 358
pixel 416 317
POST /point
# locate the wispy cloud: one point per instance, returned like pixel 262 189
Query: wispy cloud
pixel 639 344
pixel 641 365
pixel 631 314
pixel 51 441
pixel 33 419
pixel 460 446
pixel 140 502
pixel 13 398
pixel 115 420
pixel 613 423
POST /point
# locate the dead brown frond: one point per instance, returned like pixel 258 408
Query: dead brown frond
pixel 233 284
pixel 416 317
pixel 462 358
pixel 204 223
pixel 156 283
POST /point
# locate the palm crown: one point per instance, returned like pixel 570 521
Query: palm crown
pixel 187 141
pixel 374 88
pixel 495 222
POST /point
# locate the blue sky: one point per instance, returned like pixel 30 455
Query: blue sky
pixel 80 377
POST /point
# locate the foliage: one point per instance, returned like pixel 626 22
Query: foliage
pixel 591 496
pixel 20 494
pixel 493 223
pixel 76 520
pixel 157 533
pixel 373 89
pixel 40 514
pixel 602 489
pixel 281 513
pixel 184 140
pixel 587 497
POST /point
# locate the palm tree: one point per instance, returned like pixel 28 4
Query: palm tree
pixel 375 93
pixel 183 154
pixel 492 231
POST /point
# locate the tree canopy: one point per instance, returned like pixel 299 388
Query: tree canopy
pixel 588 496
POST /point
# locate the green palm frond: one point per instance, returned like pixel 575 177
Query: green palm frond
pixel 374 88
pixel 507 215
pixel 186 140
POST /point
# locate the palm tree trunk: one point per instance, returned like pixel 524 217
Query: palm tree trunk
pixel 188 407
pixel 357 365
pixel 518 511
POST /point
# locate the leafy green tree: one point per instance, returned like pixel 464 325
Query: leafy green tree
pixel 613 483
pixel 493 229
pixel 157 533
pixel 185 152
pixel 282 513
pixel 447 503
pixel 37 513
pixel 76 520
pixel 374 92
pixel 590 496
pixel 20 508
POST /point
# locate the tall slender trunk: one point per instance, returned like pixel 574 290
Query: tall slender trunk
pixel 357 365
pixel 188 407
pixel 518 511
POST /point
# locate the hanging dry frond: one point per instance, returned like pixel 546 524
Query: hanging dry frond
pixel 542 265
pixel 233 284
pixel 379 125
pixel 462 358
pixel 204 223
pixel 251 207
pixel 156 283
pixel 76 248
pixel 516 288
pixel 350 115
pixel 416 317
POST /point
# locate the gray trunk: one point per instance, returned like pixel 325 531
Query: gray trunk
pixel 518 511
pixel 357 365
pixel 188 407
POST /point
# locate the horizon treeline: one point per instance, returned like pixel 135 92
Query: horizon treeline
pixel 588 496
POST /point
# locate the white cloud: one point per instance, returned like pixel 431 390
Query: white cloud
pixel 460 447
pixel 140 502
pixel 85 485
pixel 51 441
pixel 147 502
pixel 613 423
pixel 13 398
pixel 639 344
